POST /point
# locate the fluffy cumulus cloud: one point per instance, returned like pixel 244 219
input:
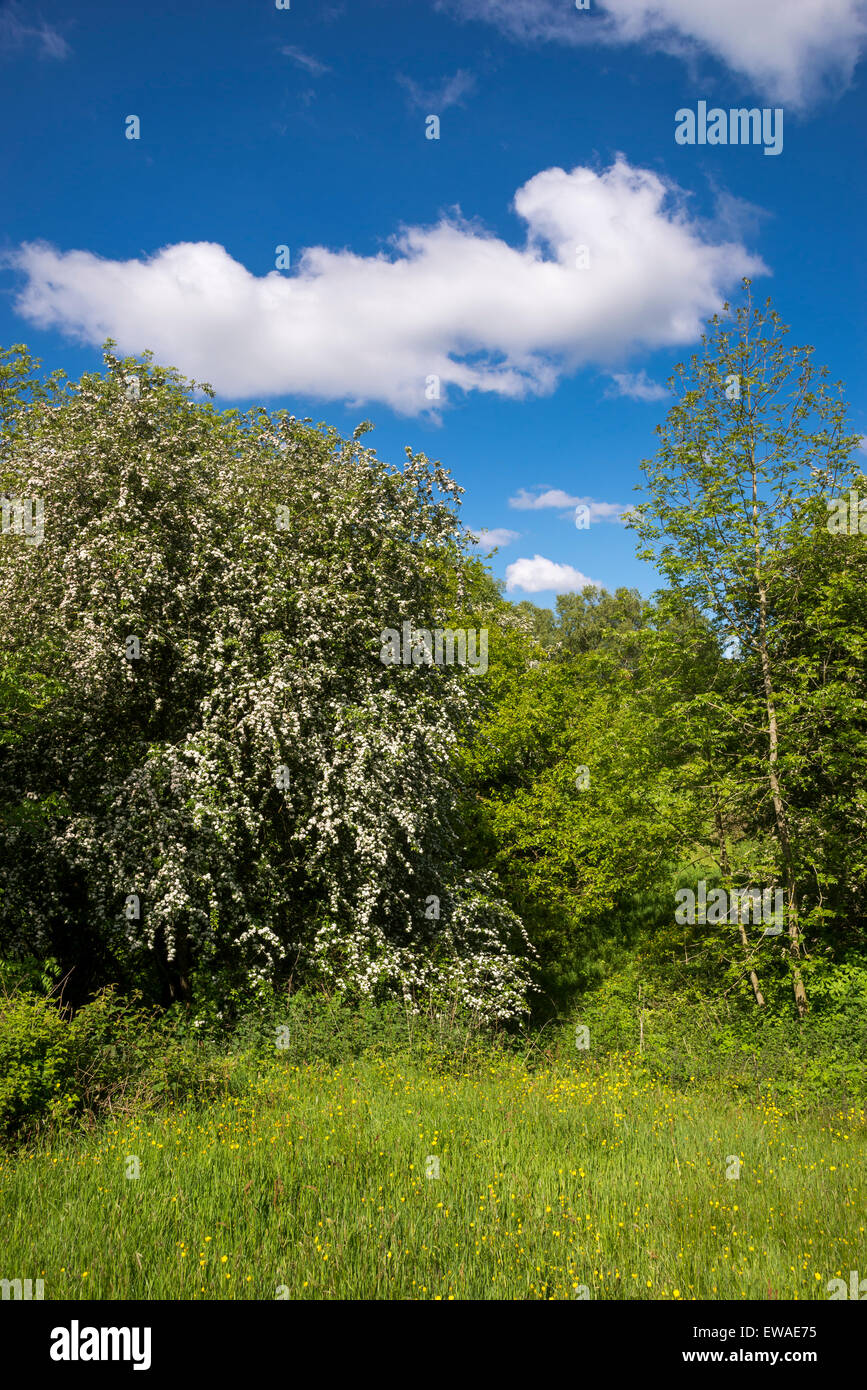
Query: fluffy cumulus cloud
pixel 447 307
pixel 789 49
pixel 539 576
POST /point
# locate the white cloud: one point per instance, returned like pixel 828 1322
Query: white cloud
pixel 498 536
pixel 789 49
pixel 305 60
pixel 551 497
pixel 16 33
pixel 638 386
pixel 450 300
pixel 450 92
pixel 539 575
pixel 606 511
pixel 555 497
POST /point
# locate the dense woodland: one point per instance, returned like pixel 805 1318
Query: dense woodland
pixel 214 792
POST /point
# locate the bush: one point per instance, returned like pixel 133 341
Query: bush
pixel 309 1027
pixel 726 1045
pixel 35 1064
pixel 112 1054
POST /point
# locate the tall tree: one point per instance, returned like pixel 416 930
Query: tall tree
pixel 234 782
pixel 754 441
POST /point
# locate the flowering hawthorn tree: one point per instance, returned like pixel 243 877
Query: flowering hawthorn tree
pixel 205 767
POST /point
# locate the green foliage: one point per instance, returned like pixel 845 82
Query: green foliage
pixel 116 1055
pixel 36 1070
pixel 111 1055
pixel 306 1028
pixel 674 1008
pixel 735 515
pixel 614 751
pixel 271 796
pixel 593 620
pixel 566 791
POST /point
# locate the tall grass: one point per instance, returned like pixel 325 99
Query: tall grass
pixel 310 1181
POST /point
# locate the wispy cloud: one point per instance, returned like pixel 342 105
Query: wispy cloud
pixel 450 92
pixel 790 49
pixel 540 575
pixel 733 217
pixel 17 33
pixel 305 60
pixel 638 386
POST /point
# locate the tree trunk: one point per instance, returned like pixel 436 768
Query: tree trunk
pixel 773 779
pixel 173 971
pixel 726 868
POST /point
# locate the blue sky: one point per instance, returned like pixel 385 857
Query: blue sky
pixel 456 258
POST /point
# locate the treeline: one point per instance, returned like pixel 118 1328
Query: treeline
pixel 212 783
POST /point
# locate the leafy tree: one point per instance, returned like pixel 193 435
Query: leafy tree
pixel 752 445
pixel 233 784
pixel 587 621
pixel 569 803
pixel 540 620
pixel 595 619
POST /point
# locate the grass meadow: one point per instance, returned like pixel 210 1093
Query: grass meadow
pixel 318 1181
